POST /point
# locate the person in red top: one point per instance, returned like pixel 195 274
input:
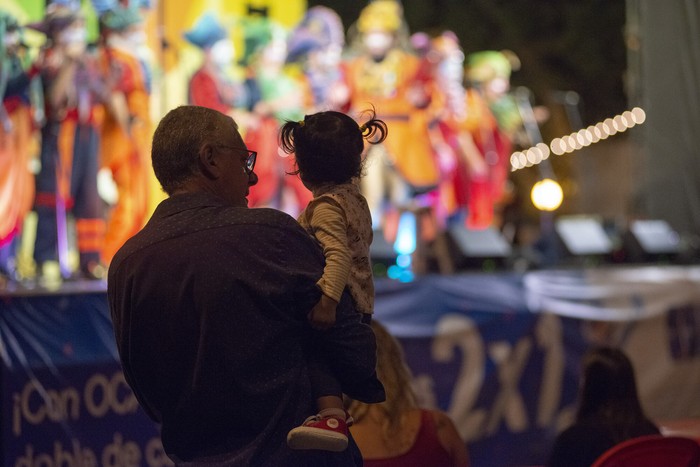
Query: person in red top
pixel 209 86
pixel 397 432
pixel 274 98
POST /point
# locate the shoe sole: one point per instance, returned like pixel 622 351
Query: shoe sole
pixel 316 438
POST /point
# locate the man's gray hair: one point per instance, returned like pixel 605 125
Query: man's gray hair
pixel 177 141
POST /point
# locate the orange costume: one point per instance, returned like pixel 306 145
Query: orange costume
pixel 16 181
pixel 125 144
pixel 387 77
pixel 385 85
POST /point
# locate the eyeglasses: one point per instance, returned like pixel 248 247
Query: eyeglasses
pixel 249 161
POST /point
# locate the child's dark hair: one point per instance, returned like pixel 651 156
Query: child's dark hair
pixel 328 145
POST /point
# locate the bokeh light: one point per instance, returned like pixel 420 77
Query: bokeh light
pixel 578 139
pixel 547 195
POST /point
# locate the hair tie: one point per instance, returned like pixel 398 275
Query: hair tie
pixel 301 122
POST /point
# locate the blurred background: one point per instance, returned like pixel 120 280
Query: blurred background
pixel 538 195
pixel 576 64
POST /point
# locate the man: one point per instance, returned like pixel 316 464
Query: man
pixel 209 304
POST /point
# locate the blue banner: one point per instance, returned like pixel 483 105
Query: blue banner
pixel 506 376
pixel 500 353
pixel 64 398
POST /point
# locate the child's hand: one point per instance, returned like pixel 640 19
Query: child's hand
pixel 322 315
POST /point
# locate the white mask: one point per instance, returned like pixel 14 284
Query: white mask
pixel 275 51
pixel 452 69
pixel 329 57
pixel 11 38
pixel 222 52
pixel 136 38
pixel 377 42
pixel 499 85
pixel 72 36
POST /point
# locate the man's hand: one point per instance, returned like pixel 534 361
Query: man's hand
pixel 322 315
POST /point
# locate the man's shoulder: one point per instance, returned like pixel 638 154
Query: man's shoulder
pixel 264 221
pixel 273 217
pixel 258 224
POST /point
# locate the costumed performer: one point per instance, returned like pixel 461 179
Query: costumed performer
pixel 463 167
pixel 66 184
pixel 210 86
pixel 16 127
pixel 275 98
pixel 317 43
pixel 488 73
pixel 385 74
pixel 126 128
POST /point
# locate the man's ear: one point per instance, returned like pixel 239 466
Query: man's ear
pixel 208 162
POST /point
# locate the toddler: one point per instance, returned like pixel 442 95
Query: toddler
pixel 329 147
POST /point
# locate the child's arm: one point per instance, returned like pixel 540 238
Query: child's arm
pixel 329 225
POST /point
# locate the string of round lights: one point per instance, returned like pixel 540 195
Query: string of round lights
pixel 577 140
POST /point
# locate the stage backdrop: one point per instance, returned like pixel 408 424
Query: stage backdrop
pixel 499 352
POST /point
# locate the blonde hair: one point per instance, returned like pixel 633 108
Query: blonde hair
pixel 396 377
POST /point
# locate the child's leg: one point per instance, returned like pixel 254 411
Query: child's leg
pixel 328 429
pixel 330 406
pixel 341 360
pixel 353 348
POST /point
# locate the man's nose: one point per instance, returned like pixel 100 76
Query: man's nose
pixel 252 179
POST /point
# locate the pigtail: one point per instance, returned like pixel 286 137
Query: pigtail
pixel 286 135
pixel 374 130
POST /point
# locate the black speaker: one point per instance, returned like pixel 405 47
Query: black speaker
pixel 478 248
pixel 583 236
pixel 651 240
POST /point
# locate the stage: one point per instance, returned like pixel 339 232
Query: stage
pixel 499 352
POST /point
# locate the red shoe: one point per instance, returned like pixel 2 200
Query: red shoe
pixel 326 434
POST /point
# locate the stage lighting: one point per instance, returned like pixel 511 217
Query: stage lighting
pixel 547 195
